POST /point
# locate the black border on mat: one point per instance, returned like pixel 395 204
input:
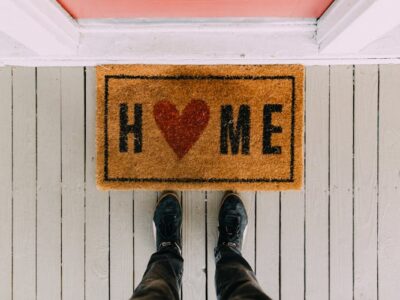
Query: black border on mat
pixel 198 180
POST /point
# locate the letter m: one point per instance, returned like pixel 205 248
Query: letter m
pixel 236 135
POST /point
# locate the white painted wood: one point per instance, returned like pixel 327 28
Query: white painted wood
pixel 248 249
pixel 144 245
pixel 292 245
pixel 390 40
pixel 365 182
pixel 121 244
pixel 238 24
pixel 6 180
pixel 47 29
pixel 73 180
pixel 193 248
pixel 24 184
pixel 341 182
pixel 267 246
pixel 95 259
pixel 365 57
pixel 389 180
pixel 204 41
pixel 335 13
pixel 162 44
pixel 338 17
pixel 10 47
pixel 316 183
pixel 348 26
pixel 214 199
pixel 97 207
pixel 48 248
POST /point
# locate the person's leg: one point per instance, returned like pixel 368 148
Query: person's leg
pixel 163 276
pixel 234 278
pixel 162 279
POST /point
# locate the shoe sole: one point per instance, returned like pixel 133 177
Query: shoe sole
pixel 163 195
pixel 222 202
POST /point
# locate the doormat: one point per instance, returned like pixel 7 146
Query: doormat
pixel 200 127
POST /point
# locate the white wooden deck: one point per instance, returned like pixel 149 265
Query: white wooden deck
pixel 60 238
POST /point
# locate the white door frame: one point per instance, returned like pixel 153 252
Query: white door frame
pixel 349 31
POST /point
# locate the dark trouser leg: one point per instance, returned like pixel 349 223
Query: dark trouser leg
pixel 163 276
pixel 234 278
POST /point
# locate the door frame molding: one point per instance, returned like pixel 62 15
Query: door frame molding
pixel 348 32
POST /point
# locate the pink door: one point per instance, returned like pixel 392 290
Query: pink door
pixel 194 8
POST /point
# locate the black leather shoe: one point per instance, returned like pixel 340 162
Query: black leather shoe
pixel 167 222
pixel 232 222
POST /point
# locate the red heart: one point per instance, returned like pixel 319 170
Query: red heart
pixel 181 131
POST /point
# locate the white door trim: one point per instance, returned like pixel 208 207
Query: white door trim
pixel 40 25
pixel 51 37
pixel 349 26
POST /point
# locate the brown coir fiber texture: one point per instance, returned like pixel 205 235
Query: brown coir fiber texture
pixel 213 127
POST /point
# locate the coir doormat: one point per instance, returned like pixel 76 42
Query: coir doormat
pixel 200 127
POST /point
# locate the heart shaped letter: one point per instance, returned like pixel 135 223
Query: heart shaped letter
pixel 181 131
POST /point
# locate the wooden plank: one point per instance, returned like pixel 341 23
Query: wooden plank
pixel 389 180
pixel 341 182
pixel 291 242
pixel 213 204
pixel 317 277
pixel 24 183
pixel 97 207
pixel 121 244
pixel 267 236
pixel 193 248
pixel 6 183
pixel 48 254
pixel 73 178
pixel 292 245
pixel 365 182
pixel 144 246
pixel 248 251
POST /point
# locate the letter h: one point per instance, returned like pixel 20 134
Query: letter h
pixel 126 128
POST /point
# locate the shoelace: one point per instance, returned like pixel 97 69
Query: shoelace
pixel 231 231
